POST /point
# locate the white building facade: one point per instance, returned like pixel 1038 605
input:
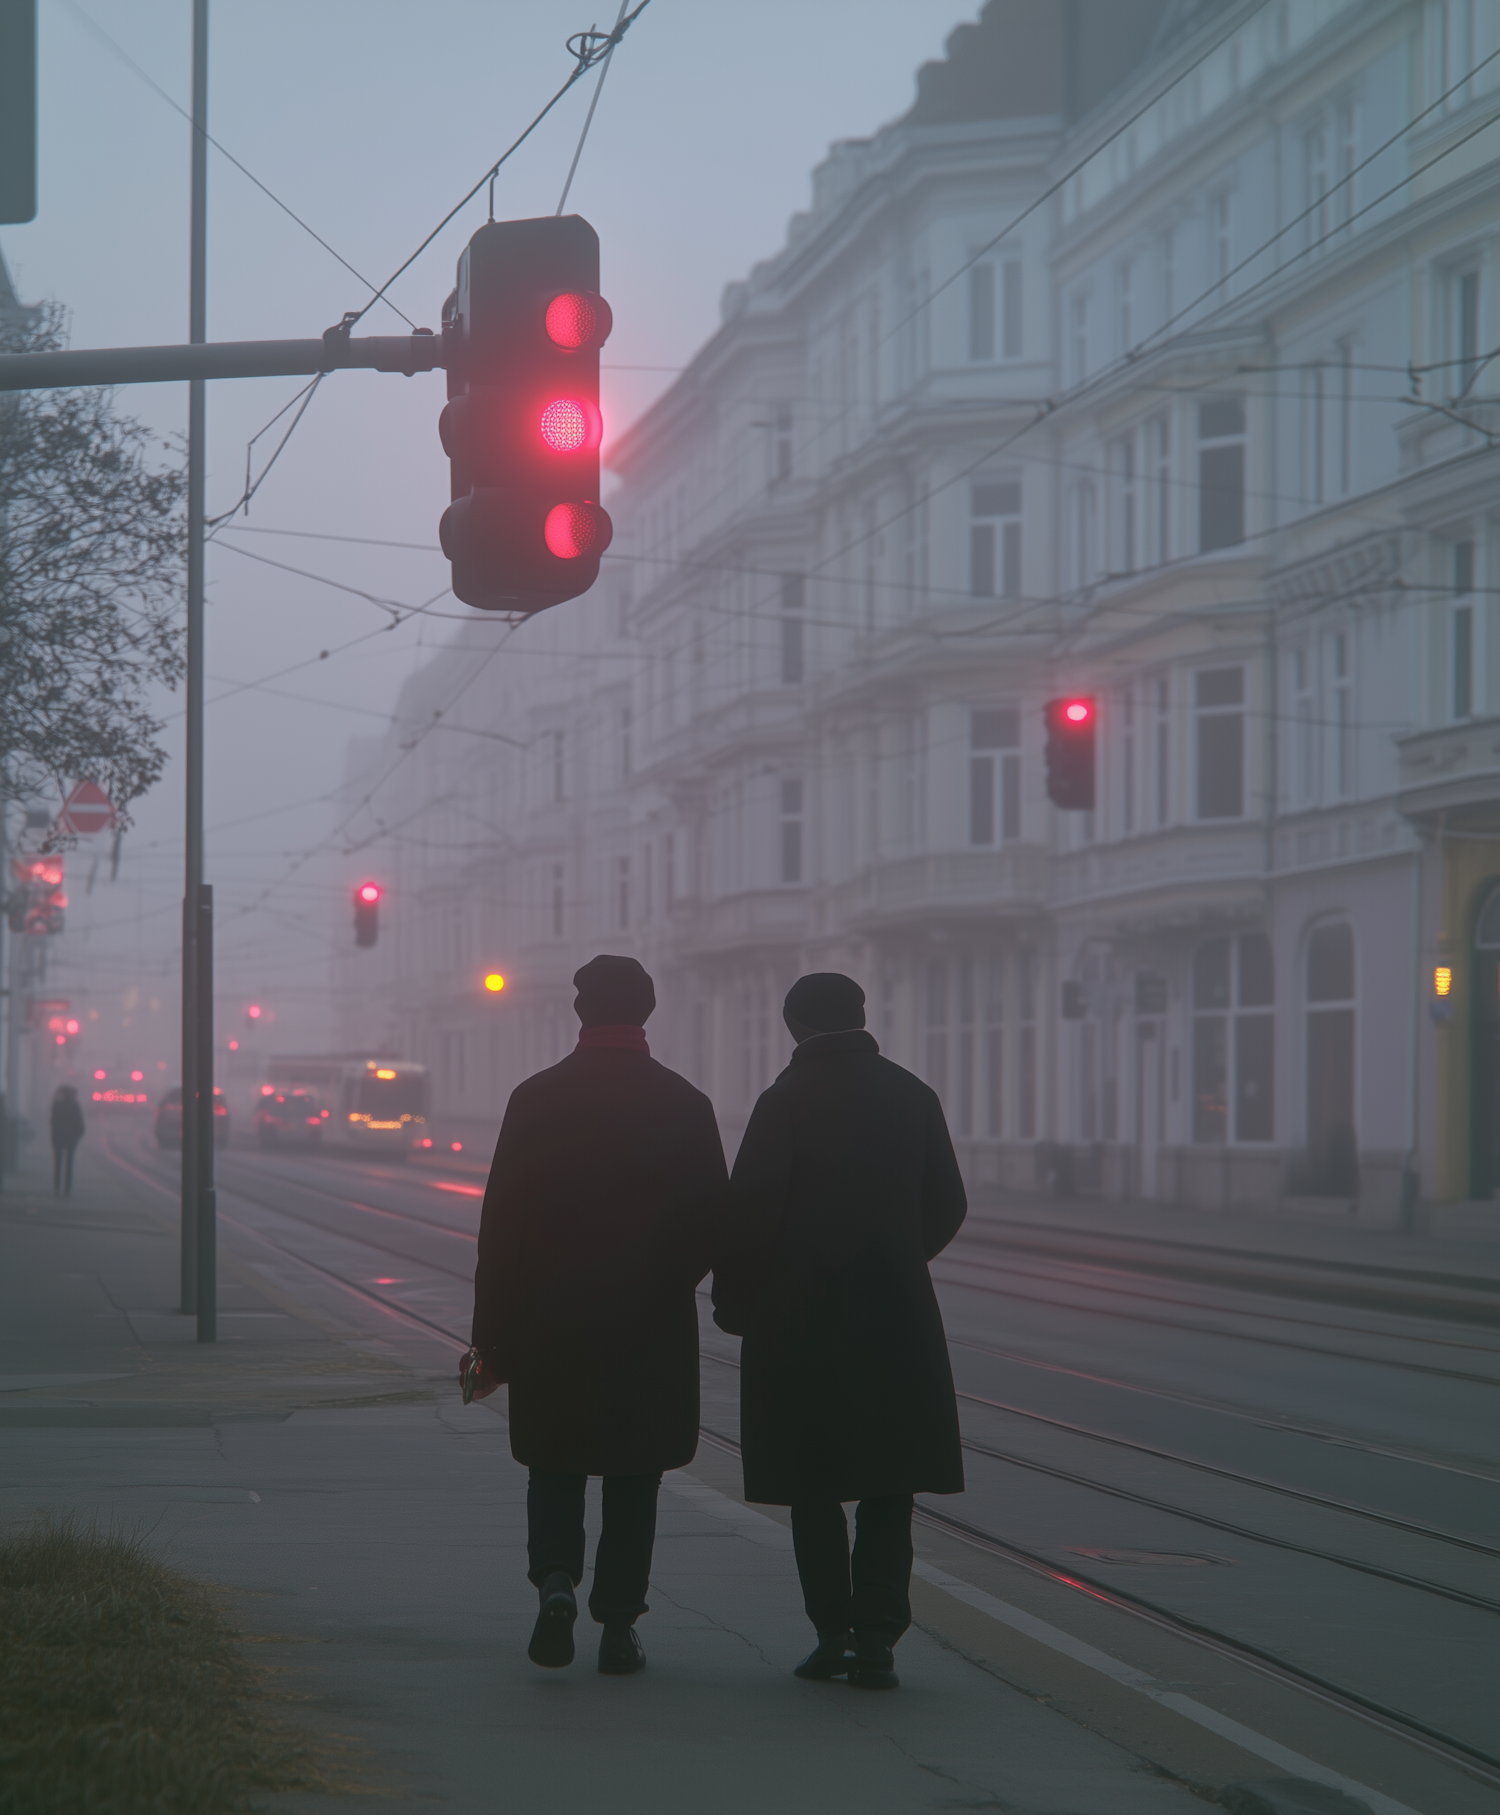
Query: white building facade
pixel 1147 358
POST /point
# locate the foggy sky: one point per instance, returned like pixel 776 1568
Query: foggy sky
pixel 370 120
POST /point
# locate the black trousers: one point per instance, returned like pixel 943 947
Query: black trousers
pixel 62 1171
pixel 622 1563
pixel 870 1592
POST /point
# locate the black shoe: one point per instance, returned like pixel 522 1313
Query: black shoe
pixel 829 1660
pixel 873 1666
pixel 552 1637
pixel 621 1652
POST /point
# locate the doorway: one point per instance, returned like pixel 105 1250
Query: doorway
pixel 1484 1054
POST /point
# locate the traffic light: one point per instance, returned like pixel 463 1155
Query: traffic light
pixel 522 428
pixel 1070 751
pixel 367 912
pixel 36 904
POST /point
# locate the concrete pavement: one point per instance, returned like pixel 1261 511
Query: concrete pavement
pixel 371 1530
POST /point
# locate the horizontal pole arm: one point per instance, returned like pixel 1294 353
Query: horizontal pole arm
pixel 334 352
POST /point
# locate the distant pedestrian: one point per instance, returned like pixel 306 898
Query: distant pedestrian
pixel 67 1132
pixel 844 1188
pixel 601 1214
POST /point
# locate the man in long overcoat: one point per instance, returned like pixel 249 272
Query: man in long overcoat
pixel 603 1206
pixel 844 1189
pixel 66 1127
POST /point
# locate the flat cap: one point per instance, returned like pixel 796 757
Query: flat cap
pixel 826 1001
pixel 613 992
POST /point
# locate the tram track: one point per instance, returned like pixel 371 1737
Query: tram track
pixel 1325 1353
pixel 1474 1760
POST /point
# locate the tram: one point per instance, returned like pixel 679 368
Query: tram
pixel 371 1102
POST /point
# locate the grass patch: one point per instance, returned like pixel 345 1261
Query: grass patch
pixel 123 1689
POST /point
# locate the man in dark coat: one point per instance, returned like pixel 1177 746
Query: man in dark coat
pixel 844 1189
pixel 603 1207
pixel 67 1131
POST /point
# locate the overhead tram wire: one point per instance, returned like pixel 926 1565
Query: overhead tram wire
pixel 592 47
pixel 588 121
pixel 270 194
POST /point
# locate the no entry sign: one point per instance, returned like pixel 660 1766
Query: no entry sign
pixel 87 809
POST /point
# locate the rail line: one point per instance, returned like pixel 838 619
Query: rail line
pixel 1264 1420
pixel 1193 1329
pixel 1473 1760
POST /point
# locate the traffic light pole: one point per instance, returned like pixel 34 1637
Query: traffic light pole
pixel 197 1051
pixel 333 351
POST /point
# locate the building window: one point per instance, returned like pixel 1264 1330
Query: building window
pixel 1463 630
pixel 1466 349
pixel 1127 759
pixel 1082 554
pixel 994 775
pixel 1346 155
pixel 622 894
pixel 557 901
pixel 1221 473
pixel 1221 236
pixel 1124 307
pixel 1168 276
pixel 981 312
pixel 668 871
pixel 1159 442
pixel 1163 750
pixel 1313 455
pixel 755 1009
pixel 1219 700
pixel 559 792
pixel 1317 181
pixel 627 719
pixel 791 830
pixel 1123 477
pixel 1233 995
pixel 1027 1091
pixel 1304 721
pixel 1010 308
pixel 782 459
pixel 793 594
pixel 1079 333
pixel 937 1027
pixel 963 989
pixel 1332 1162
pixel 995 540
pixel 1345 457
pixel 1343 713
pixel 994 1053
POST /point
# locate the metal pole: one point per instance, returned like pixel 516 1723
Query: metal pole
pixel 192 1056
pixel 208 1292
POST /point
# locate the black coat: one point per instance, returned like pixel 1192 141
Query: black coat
pixel 67 1122
pixel 603 1205
pixel 844 1188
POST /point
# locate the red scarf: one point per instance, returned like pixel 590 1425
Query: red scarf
pixel 624 1038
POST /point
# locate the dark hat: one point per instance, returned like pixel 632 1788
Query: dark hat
pixel 614 992
pixel 826 1001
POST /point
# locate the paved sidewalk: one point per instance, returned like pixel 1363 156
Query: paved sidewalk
pixel 372 1532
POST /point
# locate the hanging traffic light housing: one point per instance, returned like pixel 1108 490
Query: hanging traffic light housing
pixel 522 427
pixel 1071 725
pixel 367 912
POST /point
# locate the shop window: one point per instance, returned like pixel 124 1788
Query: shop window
pixel 1332 1157
pixel 1233 1039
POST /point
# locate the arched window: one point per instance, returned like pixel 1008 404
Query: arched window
pixel 1332 1148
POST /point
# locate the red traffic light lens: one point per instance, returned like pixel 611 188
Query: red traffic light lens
pixel 572 530
pixel 578 318
pixel 569 424
pixel 1078 712
pixel 368 892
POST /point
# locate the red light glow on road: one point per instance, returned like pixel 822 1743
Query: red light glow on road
pixel 1077 712
pixel 443 1184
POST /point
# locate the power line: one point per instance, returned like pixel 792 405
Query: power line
pixel 592 48
pixel 125 57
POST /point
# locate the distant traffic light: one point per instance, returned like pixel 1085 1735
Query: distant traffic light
pixel 1071 725
pixel 522 427
pixel 367 913
pixel 36 904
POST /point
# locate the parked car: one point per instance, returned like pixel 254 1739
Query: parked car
pixel 169 1119
pixel 288 1117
